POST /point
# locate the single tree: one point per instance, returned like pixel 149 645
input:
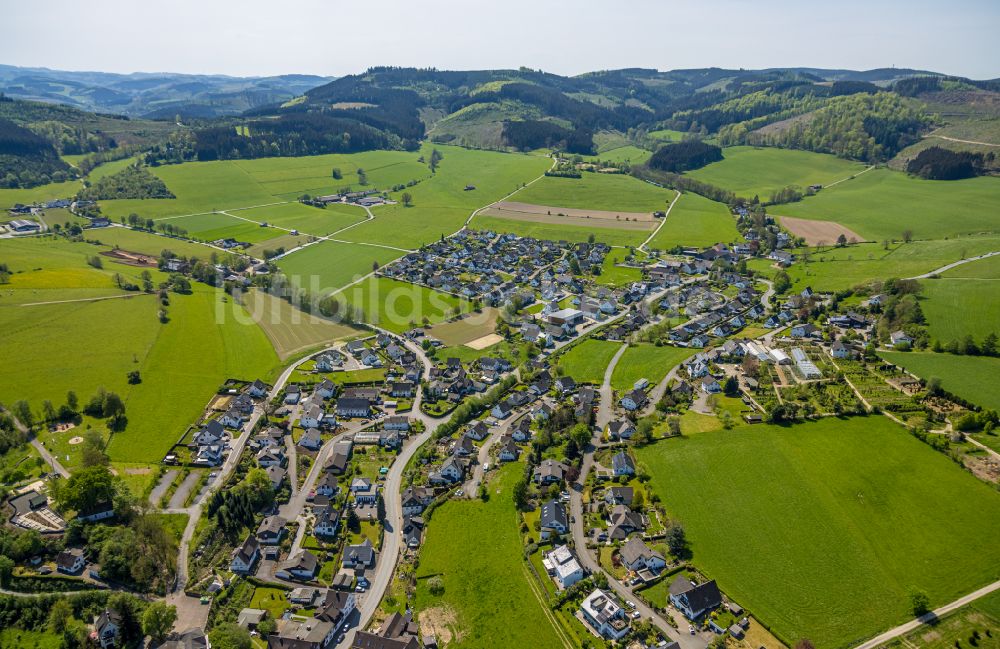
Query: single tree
pixel 407 199
pixel 158 619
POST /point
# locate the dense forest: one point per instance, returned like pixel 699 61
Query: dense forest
pixel 867 127
pixel 685 156
pixel 537 134
pixel 132 182
pixel 936 163
pixel 28 159
pixel 296 134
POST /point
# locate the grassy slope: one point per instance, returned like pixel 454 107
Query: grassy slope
pixel 485 588
pixel 440 204
pixel 955 308
pixel 328 265
pixel 823 529
pixel 84 345
pixel 398 306
pixel 696 221
pixel 595 191
pixel 146 243
pixel 882 203
pixel 68 189
pixel 970 377
pixel 289 329
pixel 645 361
pixel 586 361
pixel 750 171
pixel 838 268
pixel 554 232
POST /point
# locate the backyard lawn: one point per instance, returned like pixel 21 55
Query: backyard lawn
pixel 822 530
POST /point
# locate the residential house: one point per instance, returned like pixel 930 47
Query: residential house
pixel 694 600
pixel 302 566
pixel 508 451
pixel 311 440
pixel 709 385
pixel 326 521
pixel 605 615
pixel 359 556
pixel 271 456
pixel 271 530
pixel 336 608
pixel 353 407
pixel 107 626
pixel 624 522
pixel 245 556
pixel 452 470
pixel 413 527
pixel 553 519
pixel 840 350
pixel 622 464
pixel 416 499
pixel 634 400
pixel 621 429
pixel 326 389
pixel 276 475
pixel 364 491
pixel 257 389
pixel 900 339
pixel 396 422
pixel 549 472
pixel 563 566
pixel 637 557
pixel 619 496
pixel 308 633
pixel 71 561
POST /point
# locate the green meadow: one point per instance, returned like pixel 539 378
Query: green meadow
pixel 971 377
pixel 86 344
pixel 646 361
pixel 955 308
pixel 607 192
pixel 696 221
pixel 222 185
pixel 147 243
pixel 52 191
pixel 881 204
pixel 398 306
pixel 328 265
pixel 823 530
pixel 760 171
pixel 290 330
pixel 441 204
pixel 486 591
pixel 833 269
pixel 305 218
pixel 558 232
pixel 586 361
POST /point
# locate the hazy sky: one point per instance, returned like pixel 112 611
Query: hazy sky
pixel 336 37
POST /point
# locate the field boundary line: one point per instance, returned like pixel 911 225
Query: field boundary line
pixel 955 264
pixel 663 221
pixel 556 626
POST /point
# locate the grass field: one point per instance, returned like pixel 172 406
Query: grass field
pixel 399 306
pixel 440 204
pixel 290 330
pixel 305 218
pixel 84 345
pixel 149 244
pixel 328 265
pixel 982 269
pixel 881 204
pixel 21 639
pixel 68 189
pixel 223 185
pixel 970 377
pixel 748 171
pixel 586 361
pixel 955 308
pixel 209 227
pixel 822 530
pixel 839 268
pixel 467 329
pixel 981 617
pixel 625 153
pixel 572 233
pixel 696 221
pixel 487 600
pixel 610 192
pixel 646 361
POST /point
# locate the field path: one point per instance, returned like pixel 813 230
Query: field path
pixel 954 264
pixel 955 139
pixel 663 221
pixel 85 299
pixel 837 182
pixel 555 161
pixel 928 618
